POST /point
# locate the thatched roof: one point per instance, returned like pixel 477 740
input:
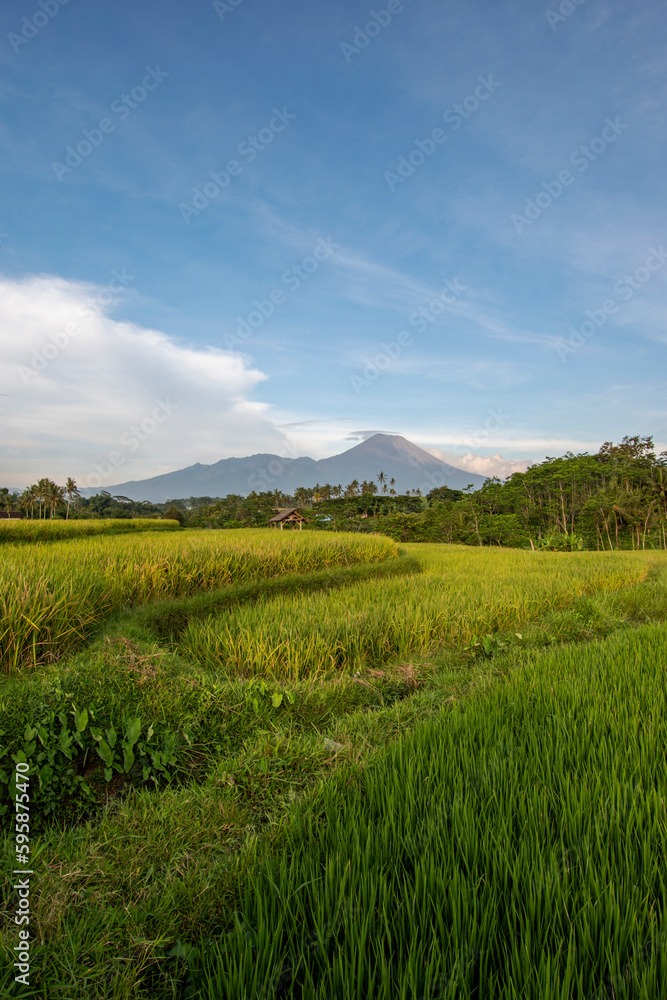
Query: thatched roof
pixel 285 514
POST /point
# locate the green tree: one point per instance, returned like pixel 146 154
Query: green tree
pixel 71 491
pixel 174 514
pixel 8 501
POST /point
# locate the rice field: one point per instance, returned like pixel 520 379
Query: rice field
pixel 460 592
pixel 511 848
pixel 52 531
pixel 54 595
pixel 369 803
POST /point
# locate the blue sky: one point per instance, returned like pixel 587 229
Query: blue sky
pixel 499 167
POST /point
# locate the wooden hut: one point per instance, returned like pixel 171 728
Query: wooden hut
pixel 287 516
pixel 13 514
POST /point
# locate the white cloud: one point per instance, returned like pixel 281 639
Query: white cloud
pixel 482 465
pixel 77 385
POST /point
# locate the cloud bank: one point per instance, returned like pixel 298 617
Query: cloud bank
pixel 104 401
pixel 483 465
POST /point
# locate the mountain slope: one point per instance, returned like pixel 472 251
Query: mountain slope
pixel 408 464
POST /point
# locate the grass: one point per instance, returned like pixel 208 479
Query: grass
pixel 168 619
pixel 139 899
pixel 512 847
pixel 54 596
pixel 15 531
pixel 460 592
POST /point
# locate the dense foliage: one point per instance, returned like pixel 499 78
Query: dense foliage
pixel 614 499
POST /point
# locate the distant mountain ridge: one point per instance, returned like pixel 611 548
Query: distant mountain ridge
pixel 398 458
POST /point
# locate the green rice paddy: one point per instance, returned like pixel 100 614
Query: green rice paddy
pixel 415 773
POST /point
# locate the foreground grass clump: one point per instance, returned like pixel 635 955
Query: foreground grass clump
pixel 53 531
pixel 53 596
pixel 460 592
pixel 513 847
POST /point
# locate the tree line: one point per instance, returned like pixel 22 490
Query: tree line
pixel 46 500
pixel 613 499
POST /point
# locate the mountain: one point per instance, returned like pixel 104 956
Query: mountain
pixel 408 464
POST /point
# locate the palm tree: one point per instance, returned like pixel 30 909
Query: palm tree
pixel 392 484
pixel 41 491
pixel 51 494
pixel 382 480
pixel 7 499
pixel 602 508
pixel 27 501
pixel 56 496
